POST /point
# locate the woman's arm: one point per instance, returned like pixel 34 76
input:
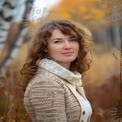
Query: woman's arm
pixel 48 102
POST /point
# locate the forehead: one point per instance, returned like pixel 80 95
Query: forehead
pixel 58 33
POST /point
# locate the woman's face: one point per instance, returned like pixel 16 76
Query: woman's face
pixel 62 48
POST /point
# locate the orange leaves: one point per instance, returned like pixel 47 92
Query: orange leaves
pixel 81 9
pixel 87 17
pixel 97 13
pixel 65 15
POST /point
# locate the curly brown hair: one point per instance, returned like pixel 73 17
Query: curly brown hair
pixel 39 44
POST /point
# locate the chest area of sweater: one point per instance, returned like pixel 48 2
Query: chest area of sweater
pixel 73 109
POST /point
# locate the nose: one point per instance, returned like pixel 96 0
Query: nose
pixel 67 45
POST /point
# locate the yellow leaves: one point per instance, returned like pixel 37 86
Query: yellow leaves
pixel 65 15
pixel 97 13
pixel 104 6
pixel 88 10
pixel 87 17
pixel 93 14
pixel 70 3
pixel 82 9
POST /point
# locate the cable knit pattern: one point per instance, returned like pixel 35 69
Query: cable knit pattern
pixel 48 99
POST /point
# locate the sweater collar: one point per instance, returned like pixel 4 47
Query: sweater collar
pixel 73 78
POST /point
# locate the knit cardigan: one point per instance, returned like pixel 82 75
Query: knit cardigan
pixel 49 98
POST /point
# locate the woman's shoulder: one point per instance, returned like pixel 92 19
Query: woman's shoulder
pixel 44 78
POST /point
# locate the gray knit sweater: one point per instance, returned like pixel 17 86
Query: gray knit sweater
pixel 49 97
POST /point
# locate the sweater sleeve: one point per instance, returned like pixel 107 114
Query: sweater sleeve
pixel 48 102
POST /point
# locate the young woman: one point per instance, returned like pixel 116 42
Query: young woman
pixel 52 74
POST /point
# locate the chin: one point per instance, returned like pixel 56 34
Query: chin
pixel 68 60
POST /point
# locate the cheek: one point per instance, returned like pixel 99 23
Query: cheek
pixel 77 47
pixel 53 50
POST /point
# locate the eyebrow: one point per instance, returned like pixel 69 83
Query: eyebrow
pixel 57 39
pixel 61 38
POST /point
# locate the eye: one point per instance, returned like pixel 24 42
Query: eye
pixel 57 41
pixel 72 39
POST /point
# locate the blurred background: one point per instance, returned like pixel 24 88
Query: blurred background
pixel 102 83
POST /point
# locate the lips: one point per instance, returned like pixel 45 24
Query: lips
pixel 68 53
